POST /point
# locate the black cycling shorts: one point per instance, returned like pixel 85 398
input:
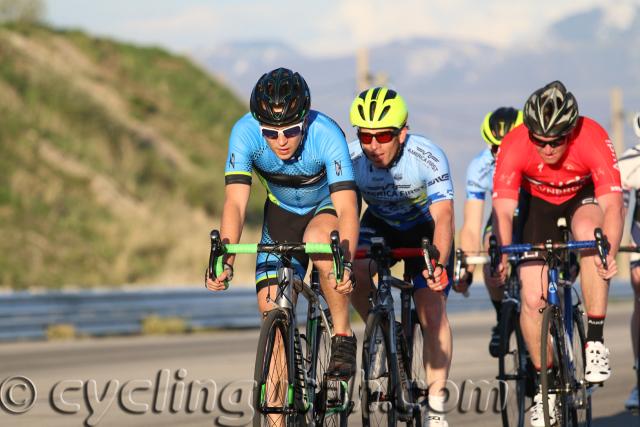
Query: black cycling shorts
pixel 280 225
pixel 540 218
pixel 372 226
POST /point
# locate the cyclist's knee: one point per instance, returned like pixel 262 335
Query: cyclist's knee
pixel 432 311
pixel 531 301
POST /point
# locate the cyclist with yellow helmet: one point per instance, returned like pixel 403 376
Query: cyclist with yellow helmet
pixel 404 179
pixel 494 127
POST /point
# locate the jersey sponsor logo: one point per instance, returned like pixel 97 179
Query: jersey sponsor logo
pixel 232 161
pixel 397 176
pixel 388 186
pixel 441 178
pixel 616 188
pixel 338 166
pixel 425 156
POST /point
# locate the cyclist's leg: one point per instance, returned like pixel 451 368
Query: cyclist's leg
pixel 533 292
pixel 364 269
pixel 431 308
pixel 634 267
pixel 318 231
pixel 343 343
pixel 532 273
pixel 586 215
pixel 635 317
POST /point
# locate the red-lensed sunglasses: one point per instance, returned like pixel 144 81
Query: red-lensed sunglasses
pixel 552 143
pixel 381 137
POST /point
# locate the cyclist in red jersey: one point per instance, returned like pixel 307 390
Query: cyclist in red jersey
pixel 565 166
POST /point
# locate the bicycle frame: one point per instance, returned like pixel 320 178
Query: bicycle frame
pixel 289 286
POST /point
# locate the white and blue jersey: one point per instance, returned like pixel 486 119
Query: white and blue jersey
pixel 480 175
pixel 402 194
pixel 320 166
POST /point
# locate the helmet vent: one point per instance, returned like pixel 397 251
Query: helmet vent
pixel 361 111
pixel 385 110
pixel 372 109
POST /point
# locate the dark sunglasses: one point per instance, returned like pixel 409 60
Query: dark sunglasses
pixel 552 143
pixel 290 132
pixel 381 137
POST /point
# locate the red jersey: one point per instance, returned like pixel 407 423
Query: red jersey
pixel 590 157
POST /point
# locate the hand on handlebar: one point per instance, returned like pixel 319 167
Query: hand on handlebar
pixel 499 277
pixel 348 282
pixel 220 283
pixel 608 273
pixel 462 285
pixel 440 279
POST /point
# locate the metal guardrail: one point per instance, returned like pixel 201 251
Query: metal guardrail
pixel 27 316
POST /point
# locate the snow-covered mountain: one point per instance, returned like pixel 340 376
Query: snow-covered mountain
pixel 451 84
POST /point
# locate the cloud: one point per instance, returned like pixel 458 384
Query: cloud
pixel 192 19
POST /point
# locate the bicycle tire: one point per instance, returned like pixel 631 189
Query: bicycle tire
pixel 419 386
pixel 511 367
pixel 323 357
pixel 379 374
pixel 553 331
pixel 581 408
pixel 276 324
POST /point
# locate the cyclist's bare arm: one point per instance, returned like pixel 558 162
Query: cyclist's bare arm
pixel 236 198
pixel 346 206
pixel 470 234
pixel 613 209
pixel 503 210
pixel 442 214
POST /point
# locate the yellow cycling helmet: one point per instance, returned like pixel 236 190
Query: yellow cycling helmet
pixel 498 123
pixel 378 108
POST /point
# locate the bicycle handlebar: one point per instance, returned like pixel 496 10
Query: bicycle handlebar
pixel 396 254
pixel 600 243
pixel 218 249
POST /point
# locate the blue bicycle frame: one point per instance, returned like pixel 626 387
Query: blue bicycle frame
pixel 552 288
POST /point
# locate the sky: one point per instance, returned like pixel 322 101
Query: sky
pixel 319 28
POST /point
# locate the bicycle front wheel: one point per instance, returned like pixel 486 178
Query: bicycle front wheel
pixel 419 384
pixel 553 334
pixel 512 373
pixel 273 393
pixel 380 374
pixel 327 412
pixel 581 408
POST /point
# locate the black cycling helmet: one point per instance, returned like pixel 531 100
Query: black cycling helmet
pixel 551 111
pixel 498 123
pixel 280 97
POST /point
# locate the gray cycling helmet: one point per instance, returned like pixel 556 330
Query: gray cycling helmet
pixel 551 111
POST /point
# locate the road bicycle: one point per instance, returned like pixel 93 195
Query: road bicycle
pixel 292 386
pixel 516 374
pixel 562 328
pixel 393 384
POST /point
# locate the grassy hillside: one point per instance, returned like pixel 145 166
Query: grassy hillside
pixel 111 161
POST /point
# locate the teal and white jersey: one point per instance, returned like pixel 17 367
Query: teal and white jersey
pixel 480 175
pixel 303 183
pixel 402 194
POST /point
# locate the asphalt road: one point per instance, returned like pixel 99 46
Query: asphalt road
pixel 87 382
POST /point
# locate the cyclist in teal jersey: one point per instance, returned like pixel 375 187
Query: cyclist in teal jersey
pixel 480 183
pixel 301 157
pixel 404 179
